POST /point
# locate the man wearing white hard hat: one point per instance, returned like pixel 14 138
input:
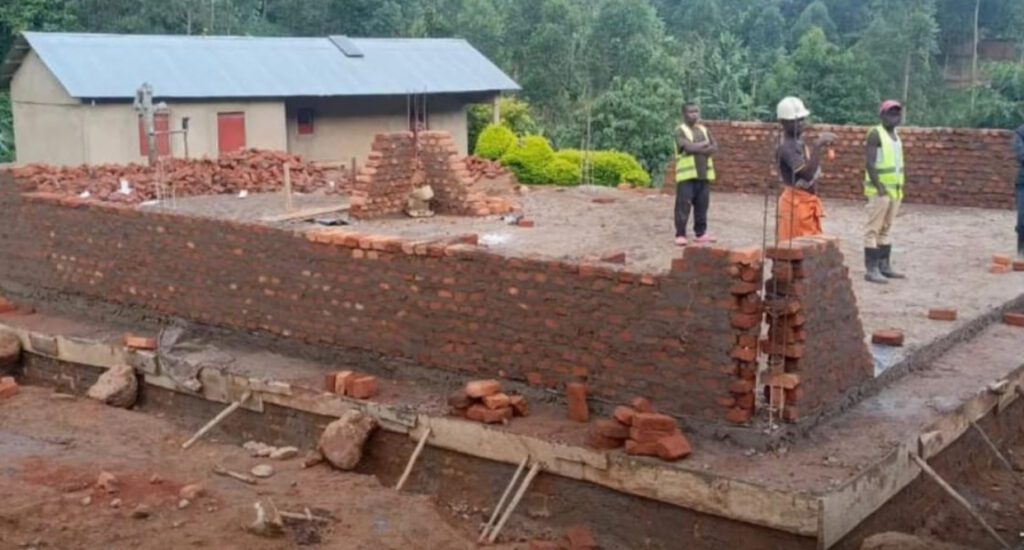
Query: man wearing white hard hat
pixel 800 210
pixel 883 187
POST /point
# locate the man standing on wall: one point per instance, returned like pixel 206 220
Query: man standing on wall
pixel 695 172
pixel 883 187
pixel 1018 148
pixel 800 210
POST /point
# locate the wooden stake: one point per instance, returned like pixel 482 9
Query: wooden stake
pixel 504 497
pixel 217 420
pixel 288 204
pixel 221 471
pixel 412 460
pixel 515 501
pixel 956 496
pixel 992 446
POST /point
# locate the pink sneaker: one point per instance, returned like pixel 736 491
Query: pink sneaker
pixel 706 238
pixel 681 241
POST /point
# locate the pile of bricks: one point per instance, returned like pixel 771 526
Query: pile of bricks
pixel 944 166
pixel 484 168
pixel 351 384
pixel 402 161
pixel 642 431
pixel 815 344
pixel 483 401
pixel 255 171
pixel 1002 264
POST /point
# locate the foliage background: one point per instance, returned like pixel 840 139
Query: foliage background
pixel 610 74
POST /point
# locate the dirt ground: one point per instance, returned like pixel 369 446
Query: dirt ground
pixel 52 450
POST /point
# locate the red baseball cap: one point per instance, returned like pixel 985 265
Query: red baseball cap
pixel 890 104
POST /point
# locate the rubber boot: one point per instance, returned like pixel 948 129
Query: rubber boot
pixel 871 261
pixel 884 250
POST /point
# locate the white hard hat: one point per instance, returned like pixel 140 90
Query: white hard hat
pixel 792 108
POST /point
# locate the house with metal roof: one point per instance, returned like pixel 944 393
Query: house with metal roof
pixel 74 95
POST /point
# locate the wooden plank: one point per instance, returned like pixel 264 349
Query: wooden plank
pixel 305 213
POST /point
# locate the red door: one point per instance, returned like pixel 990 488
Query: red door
pixel 161 125
pixel 230 132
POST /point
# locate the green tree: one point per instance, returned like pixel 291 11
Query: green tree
pixel 814 15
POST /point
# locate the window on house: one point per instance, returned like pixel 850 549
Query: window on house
pixel 161 126
pixel 305 119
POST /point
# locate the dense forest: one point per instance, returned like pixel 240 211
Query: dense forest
pixel 617 70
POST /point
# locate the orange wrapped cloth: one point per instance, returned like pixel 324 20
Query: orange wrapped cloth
pixel 800 214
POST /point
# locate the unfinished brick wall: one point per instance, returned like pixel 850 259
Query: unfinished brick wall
pixel 401 161
pixel 815 340
pixel 944 166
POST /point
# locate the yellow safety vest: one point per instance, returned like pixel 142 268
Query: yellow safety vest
pixel 686 165
pixel 889 163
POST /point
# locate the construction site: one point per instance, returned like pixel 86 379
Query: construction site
pixel 256 351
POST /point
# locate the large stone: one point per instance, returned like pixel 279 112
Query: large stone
pixel 342 441
pixel 117 387
pixel 10 349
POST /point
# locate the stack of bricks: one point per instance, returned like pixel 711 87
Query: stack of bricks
pixel 944 166
pixel 642 431
pixel 745 272
pixel 352 384
pixel 401 161
pixel 815 344
pixel 483 401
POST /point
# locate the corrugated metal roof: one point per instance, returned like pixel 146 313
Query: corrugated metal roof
pixel 102 66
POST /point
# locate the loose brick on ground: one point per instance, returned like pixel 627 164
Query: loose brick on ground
pixel 481 413
pixel 674 447
pixel 641 405
pixel 139 342
pixel 649 435
pixel 642 449
pixel 478 389
pixel 343 381
pixel 459 399
pixel 999 269
pixel 519 405
pixel 576 394
pixel 497 401
pixel 1018 265
pixel 580 538
pixel 8 387
pixel 887 338
pixel 611 429
pixel 525 223
pixel 1014 319
pixel 654 421
pixel 624 415
pixel 942 314
pixel 362 387
pixel 603 443
pixel 1002 259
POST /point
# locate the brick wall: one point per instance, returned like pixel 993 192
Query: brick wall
pixel 400 162
pixel 944 166
pixel 685 338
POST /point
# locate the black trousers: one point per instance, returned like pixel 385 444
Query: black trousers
pixel 693 193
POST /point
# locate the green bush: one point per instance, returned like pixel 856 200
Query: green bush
pixel 495 141
pixel 528 159
pixel 515 113
pixel 574 156
pixel 613 167
pixel 562 171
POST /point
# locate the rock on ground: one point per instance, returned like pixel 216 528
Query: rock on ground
pixel 903 541
pixel 117 387
pixel 342 441
pixel 10 349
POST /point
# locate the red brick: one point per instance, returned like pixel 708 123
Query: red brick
pixel 535 379
pixel 525 223
pixel 576 394
pixel 329 382
pixel 624 415
pixel 601 442
pixel 794 396
pixel 641 405
pixel 481 413
pixel 616 257
pixel 788 253
pixel 999 269
pixel 459 399
pixel 786 380
pixel 519 405
pixel 942 314
pixel 747 355
pixel 478 389
pixel 649 435
pixel 749 256
pixel 740 387
pixel 739 416
pixel 497 401
pixel 887 338
pixel 8 387
pixel 139 342
pixel 742 289
pixel 611 429
pixel 744 321
pixel 745 401
pixel 1002 259
pixel 1018 265
pixel 674 447
pixel 654 421
pixel 1014 319
pixel 342 382
pixel 580 538
pixel 362 387
pixel 791 414
pixel 642 449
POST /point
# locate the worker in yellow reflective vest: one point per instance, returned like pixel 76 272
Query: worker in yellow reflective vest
pixel 695 172
pixel 883 187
